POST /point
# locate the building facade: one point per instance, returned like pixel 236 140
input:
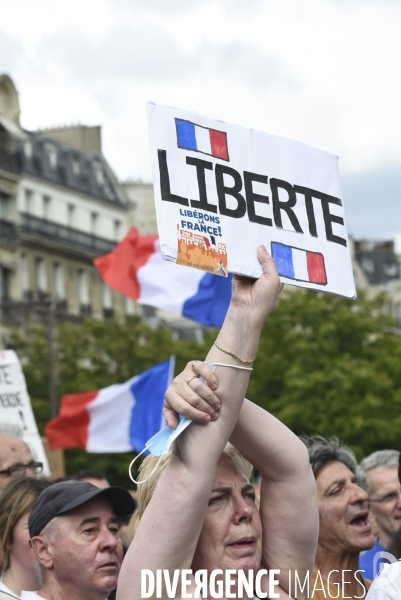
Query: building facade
pixel 61 206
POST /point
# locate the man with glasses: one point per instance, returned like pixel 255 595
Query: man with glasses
pixel 378 475
pixel 387 585
pixel 16 460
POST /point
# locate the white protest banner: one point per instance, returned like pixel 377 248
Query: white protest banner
pixel 15 405
pixel 221 190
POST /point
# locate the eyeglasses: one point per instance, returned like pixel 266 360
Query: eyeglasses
pixel 389 499
pixel 19 470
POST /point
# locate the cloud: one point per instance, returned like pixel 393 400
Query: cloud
pixel 356 2
pixel 180 6
pixel 10 53
pixel 245 63
pixel 372 203
pixel 125 52
pixel 152 55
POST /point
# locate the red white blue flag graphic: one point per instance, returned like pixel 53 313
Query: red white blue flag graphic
pixel 301 265
pixel 201 139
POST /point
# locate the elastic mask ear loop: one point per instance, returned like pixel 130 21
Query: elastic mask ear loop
pixel 149 476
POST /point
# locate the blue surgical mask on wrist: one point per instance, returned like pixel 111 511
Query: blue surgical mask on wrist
pixel 159 444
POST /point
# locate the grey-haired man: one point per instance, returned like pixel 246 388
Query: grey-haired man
pixel 344 530
pixel 74 533
pixel 16 459
pixel 378 475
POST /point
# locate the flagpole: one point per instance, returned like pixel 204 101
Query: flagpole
pixel 172 369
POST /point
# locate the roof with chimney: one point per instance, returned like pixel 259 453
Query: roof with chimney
pixel 70 156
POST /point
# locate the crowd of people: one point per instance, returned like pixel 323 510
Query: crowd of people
pixel 310 522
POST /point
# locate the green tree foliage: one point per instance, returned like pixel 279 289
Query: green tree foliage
pixel 325 365
pixel 331 366
pixel 91 356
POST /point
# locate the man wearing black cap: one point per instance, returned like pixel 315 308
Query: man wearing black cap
pixel 73 528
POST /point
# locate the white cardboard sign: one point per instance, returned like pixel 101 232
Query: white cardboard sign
pixel 15 405
pixel 221 190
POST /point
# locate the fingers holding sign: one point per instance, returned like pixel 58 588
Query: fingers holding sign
pixel 190 397
pixel 258 295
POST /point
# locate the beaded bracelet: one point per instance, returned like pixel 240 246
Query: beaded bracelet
pixel 244 362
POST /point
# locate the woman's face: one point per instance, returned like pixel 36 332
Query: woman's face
pixel 231 536
pixel 20 549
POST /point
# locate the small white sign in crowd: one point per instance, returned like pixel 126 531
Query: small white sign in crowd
pixel 15 405
pixel 221 190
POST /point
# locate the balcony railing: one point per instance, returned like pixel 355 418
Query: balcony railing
pixel 64 235
pixel 8 232
pixel 85 310
pixel 8 161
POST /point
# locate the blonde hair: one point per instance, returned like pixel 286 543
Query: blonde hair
pixel 132 527
pixel 16 500
pixel 146 489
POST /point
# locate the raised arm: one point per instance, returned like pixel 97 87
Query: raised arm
pixel 288 503
pixel 288 499
pixel 170 526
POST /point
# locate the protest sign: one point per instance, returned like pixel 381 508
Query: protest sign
pixel 221 190
pixel 15 405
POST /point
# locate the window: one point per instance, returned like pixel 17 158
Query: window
pixel 58 282
pixel 129 306
pixel 368 265
pixel 51 153
pixel 28 149
pixel 106 296
pixel 76 167
pixel 28 201
pixel 390 268
pixel 25 287
pixel 149 316
pixel 99 175
pixel 107 300
pixel 46 207
pixel 4 206
pixel 71 215
pixel 5 283
pixel 117 228
pixel 94 223
pixel 41 276
pixel 83 293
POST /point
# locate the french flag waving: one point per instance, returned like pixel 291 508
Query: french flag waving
pixel 201 139
pixel 119 418
pixel 136 269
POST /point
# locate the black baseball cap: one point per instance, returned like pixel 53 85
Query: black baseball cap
pixel 62 497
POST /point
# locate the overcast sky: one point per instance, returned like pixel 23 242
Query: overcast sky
pixel 324 72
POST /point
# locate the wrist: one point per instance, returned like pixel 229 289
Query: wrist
pixel 240 335
pixel 244 317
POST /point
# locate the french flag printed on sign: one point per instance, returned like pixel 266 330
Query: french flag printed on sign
pixel 298 264
pixel 201 139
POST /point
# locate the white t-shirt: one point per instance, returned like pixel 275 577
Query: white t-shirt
pixel 4 588
pixel 387 585
pixel 31 596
